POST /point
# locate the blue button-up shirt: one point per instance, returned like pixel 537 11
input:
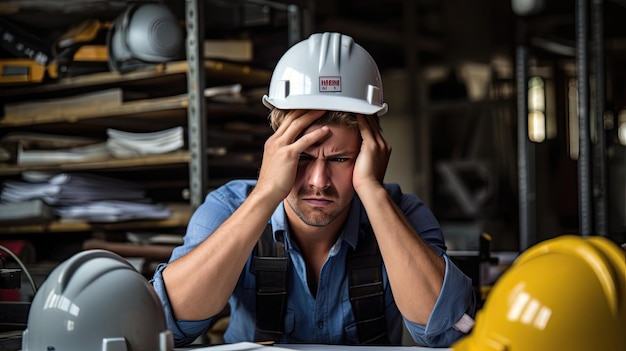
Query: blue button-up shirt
pixel 326 317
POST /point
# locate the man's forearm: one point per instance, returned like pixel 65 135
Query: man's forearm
pixel 200 283
pixel 415 270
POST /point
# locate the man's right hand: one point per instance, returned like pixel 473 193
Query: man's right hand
pixel 282 150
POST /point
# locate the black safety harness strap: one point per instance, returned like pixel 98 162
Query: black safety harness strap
pixel 365 281
pixel 270 264
pixel 366 290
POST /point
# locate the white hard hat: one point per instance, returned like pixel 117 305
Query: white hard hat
pixel 327 71
pixel 96 300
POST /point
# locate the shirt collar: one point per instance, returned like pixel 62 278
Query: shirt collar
pixel 278 219
pixel 349 233
pixel 351 230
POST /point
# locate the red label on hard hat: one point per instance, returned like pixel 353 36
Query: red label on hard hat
pixel 330 83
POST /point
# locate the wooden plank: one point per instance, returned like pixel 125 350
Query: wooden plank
pixel 172 68
pixel 158 252
pixel 82 104
pixel 235 72
pixel 181 213
pixel 172 158
pixel 177 102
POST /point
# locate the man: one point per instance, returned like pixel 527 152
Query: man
pixel 320 187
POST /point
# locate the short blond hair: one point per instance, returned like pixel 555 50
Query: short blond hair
pixel 345 119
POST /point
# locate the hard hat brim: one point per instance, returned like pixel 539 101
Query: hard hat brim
pixel 462 345
pixel 326 102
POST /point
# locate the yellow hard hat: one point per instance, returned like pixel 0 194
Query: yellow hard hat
pixel 565 293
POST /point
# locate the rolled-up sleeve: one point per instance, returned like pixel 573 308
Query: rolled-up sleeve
pixel 456 299
pixel 184 332
pixel 216 208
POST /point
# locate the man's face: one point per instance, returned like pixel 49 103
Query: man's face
pixel 323 188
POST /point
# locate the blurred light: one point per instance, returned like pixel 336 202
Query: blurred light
pixel 536 110
pixel 621 127
pixel 536 94
pixel 527 7
pixel 572 118
pixel 536 126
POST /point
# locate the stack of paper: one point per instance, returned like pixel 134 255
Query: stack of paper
pixel 76 188
pixel 87 197
pixel 36 148
pixel 123 144
pixel 25 148
pixel 113 211
pixel 93 152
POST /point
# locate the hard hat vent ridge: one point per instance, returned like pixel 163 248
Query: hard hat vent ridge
pixel 331 47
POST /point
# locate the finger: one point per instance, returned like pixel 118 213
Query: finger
pixel 300 122
pixel 289 118
pixel 308 139
pixel 376 130
pixel 365 128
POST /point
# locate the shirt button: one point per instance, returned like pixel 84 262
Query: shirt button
pixel 320 324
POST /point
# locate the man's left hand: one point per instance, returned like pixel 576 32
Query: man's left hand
pixel 371 163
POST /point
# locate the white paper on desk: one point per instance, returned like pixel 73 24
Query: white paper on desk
pixel 241 346
pixel 246 346
pixel 322 347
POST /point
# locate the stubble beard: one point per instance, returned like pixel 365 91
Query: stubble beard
pixel 316 217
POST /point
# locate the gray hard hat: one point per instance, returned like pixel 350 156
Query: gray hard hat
pixel 96 300
pixel 145 33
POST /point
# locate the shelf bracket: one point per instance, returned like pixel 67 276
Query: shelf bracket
pixel 196 110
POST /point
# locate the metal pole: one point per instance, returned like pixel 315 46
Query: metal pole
pixel 599 148
pixel 308 18
pixel 196 110
pixel 418 104
pixel 294 30
pixel 584 193
pixel 525 155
